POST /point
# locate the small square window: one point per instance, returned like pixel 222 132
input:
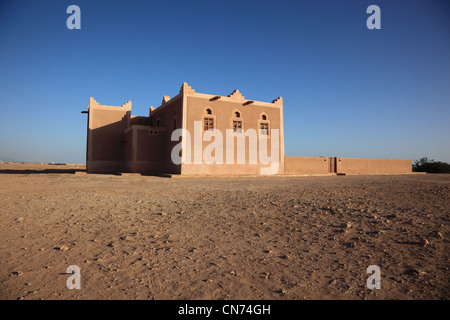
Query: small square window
pixel 208 124
pixel 237 126
pixel 264 128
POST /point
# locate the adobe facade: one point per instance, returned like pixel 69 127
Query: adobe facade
pixel 202 134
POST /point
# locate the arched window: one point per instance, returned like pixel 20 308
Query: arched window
pixel 208 120
pixel 237 122
pixel 264 125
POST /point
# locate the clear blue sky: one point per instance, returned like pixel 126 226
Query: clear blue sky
pixel 348 91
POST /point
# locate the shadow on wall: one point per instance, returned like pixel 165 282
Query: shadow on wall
pixel 107 142
pixel 129 147
pixel 105 147
pixel 37 171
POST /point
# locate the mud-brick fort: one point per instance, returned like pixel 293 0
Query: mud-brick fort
pixel 119 142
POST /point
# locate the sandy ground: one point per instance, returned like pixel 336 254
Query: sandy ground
pixel 222 238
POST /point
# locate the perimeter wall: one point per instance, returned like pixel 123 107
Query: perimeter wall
pixel 337 165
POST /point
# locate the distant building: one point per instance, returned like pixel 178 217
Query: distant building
pixel 120 142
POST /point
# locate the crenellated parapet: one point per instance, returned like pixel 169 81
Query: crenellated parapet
pixel 186 89
pixel 93 102
pixel 165 99
pixel 127 105
pixel 236 95
pixel 278 100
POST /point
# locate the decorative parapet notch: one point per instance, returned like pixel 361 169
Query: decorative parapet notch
pixel 165 99
pixel 93 102
pixel 278 100
pixel 127 105
pixel 236 95
pixel 186 89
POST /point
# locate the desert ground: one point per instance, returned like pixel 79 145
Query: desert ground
pixel 143 237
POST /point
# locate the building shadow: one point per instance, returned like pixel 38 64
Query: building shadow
pixel 37 171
